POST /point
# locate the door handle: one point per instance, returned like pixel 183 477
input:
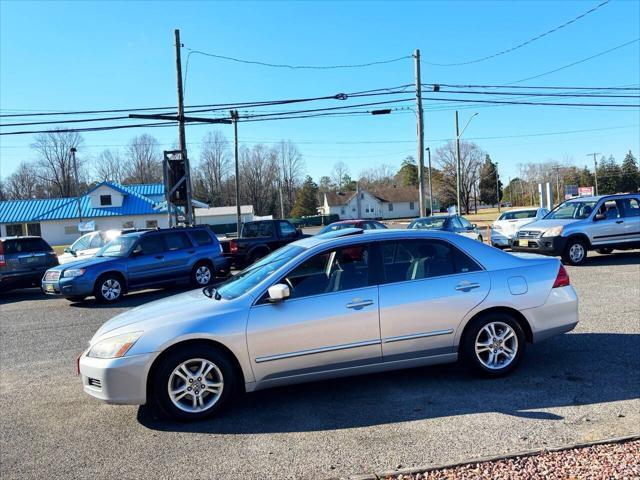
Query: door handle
pixel 467 286
pixel 159 257
pixel 359 304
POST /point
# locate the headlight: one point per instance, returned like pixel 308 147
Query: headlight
pixel 553 231
pixel 114 347
pixel 73 272
pixel 496 227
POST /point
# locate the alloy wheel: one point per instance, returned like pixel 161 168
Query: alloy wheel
pixel 576 252
pixel 203 275
pixel 111 289
pixel 496 345
pixel 195 385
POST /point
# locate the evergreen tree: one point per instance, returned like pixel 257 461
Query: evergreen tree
pixel 488 179
pixel 586 178
pixel 609 176
pixel 348 184
pixel 408 173
pixel 630 181
pixel 306 200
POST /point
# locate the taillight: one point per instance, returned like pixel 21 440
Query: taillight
pixel 2 262
pixel 233 246
pixel 562 279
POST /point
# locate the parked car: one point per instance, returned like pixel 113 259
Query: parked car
pixel 258 239
pixel 448 223
pixel 570 230
pixel 364 224
pixel 23 261
pixel 343 303
pixel 90 243
pixel 140 260
pixel 508 223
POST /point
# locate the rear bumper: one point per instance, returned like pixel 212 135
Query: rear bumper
pixel 21 280
pixel 117 380
pixel 543 245
pixel 558 315
pixel 499 239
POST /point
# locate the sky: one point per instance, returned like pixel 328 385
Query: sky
pixel 83 55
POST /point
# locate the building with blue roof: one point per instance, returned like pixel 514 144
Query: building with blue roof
pixel 108 205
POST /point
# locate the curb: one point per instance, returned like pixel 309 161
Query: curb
pixel 492 458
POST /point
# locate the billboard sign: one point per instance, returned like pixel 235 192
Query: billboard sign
pixel 585 191
pixel 88 226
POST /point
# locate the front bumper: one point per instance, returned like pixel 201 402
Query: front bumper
pixel 117 380
pixel 68 287
pixel 543 245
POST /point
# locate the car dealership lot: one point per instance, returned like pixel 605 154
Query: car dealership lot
pixel 578 387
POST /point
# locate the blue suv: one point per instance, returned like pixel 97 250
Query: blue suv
pixel 140 260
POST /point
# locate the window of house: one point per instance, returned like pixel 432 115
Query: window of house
pixel 152 223
pixel 70 229
pixel 105 200
pixel 14 230
pixel 391 207
pixel 343 211
pixel 411 205
pixel 33 229
pixel 128 224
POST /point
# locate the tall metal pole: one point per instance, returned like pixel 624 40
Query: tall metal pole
pixel 188 212
pixel 558 184
pixel 498 187
pixel 420 131
pixel 430 184
pixel 458 167
pixel 595 169
pixel 234 117
pixel 77 182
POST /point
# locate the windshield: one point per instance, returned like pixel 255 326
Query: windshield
pixel 249 278
pixel 82 243
pixel 571 210
pixel 120 247
pixel 432 223
pixel 338 226
pixel 518 215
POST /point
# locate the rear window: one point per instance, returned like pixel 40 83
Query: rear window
pixel 201 237
pixel 26 245
pixel 518 215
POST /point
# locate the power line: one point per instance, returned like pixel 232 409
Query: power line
pixel 531 87
pixel 520 45
pixel 574 63
pixel 540 94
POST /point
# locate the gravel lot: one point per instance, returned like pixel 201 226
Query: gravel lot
pixel 579 387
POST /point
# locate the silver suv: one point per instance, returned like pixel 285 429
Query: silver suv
pixel 602 223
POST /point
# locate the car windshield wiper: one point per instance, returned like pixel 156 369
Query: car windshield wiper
pixel 211 292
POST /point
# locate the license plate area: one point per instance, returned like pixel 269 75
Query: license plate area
pixel 523 243
pixel 48 287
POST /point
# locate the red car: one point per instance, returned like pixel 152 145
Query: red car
pixel 364 224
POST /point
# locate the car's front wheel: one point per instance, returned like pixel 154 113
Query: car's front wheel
pixel 201 275
pixel 494 344
pixel 193 383
pixel 109 289
pixel 575 252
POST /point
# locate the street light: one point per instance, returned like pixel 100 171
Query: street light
pixel 458 166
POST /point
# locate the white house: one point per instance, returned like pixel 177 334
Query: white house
pixel 385 203
pixel 223 215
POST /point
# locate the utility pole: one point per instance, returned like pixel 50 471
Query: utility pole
pixel 498 187
pixel 430 185
pixel 420 130
pixel 280 168
pixel 234 119
pixel 458 179
pixel 595 169
pixel 557 169
pixel 72 150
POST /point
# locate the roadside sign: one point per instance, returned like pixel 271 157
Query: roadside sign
pixel 585 191
pixel 88 226
pixel 570 191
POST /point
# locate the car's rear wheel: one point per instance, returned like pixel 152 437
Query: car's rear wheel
pixel 494 344
pixel 604 251
pixel 193 383
pixel 109 288
pixel 202 274
pixel 575 252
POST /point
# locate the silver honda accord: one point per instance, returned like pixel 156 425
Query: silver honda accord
pixel 343 303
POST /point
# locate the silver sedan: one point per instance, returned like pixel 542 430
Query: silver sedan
pixel 342 303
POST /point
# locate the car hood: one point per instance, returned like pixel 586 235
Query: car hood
pixel 183 307
pixel 86 262
pixel 542 225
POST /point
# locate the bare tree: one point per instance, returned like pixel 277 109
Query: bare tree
pixel 54 162
pixel 338 173
pixel 110 166
pixel 25 183
pixel 214 168
pixel 380 176
pixel 259 173
pixel 471 158
pixel 144 163
pixel 291 170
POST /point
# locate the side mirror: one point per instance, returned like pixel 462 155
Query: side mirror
pixel 599 216
pixel 69 250
pixel 474 226
pixel 278 292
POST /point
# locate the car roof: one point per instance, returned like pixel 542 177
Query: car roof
pixel 21 237
pixel 595 198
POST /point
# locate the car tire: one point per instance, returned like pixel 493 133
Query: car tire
pixel 181 396
pixel 493 345
pixel 604 251
pixel 575 252
pixel 75 299
pixel 109 288
pixel 202 274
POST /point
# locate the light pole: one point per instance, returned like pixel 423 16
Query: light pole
pixel 72 151
pixel 430 185
pixel 458 164
pixel 498 187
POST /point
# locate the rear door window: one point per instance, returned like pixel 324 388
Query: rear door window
pixel 630 207
pixel 286 229
pixel 202 237
pixel 177 241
